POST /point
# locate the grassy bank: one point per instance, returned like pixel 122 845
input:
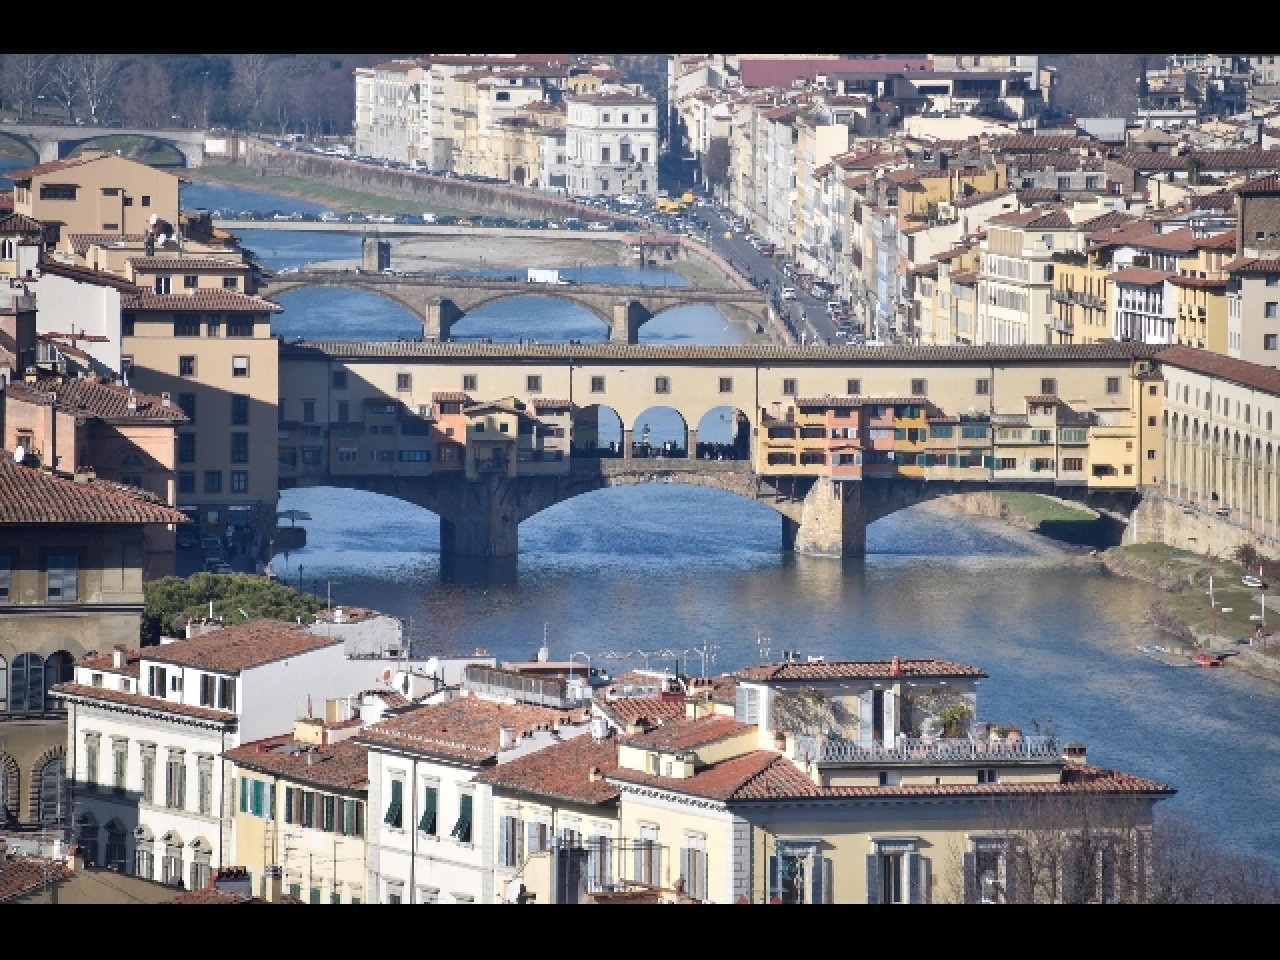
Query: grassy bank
pixel 337 198
pixel 1185 577
pixel 1056 519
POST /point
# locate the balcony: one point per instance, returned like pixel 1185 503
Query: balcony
pixel 919 750
pixel 491 465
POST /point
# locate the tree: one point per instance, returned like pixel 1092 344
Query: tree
pixel 248 81
pixel 25 78
pixel 172 601
pixel 99 75
pixel 64 83
pixel 1247 556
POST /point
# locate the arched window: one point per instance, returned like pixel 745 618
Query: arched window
pixel 26 684
pixel 53 798
pixel 201 857
pixel 8 789
pixel 115 859
pixel 59 668
pixel 144 858
pixel 171 865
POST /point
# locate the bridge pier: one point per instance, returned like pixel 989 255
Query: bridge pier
pixel 439 317
pixel 628 317
pixel 833 522
pixel 485 523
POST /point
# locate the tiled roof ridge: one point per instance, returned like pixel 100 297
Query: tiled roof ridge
pixel 142 700
pixel 104 397
pixel 19 485
pixel 203 299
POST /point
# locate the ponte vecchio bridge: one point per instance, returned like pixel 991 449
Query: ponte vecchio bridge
pixel 351 411
pixel 442 301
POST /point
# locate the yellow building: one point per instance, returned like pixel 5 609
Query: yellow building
pixel 864 782
pixel 1202 294
pixel 300 803
pixel 1081 293
pixel 504 437
pixel 96 193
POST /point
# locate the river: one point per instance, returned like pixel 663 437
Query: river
pixel 664 567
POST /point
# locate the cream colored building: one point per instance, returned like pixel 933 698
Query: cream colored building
pixel 96 193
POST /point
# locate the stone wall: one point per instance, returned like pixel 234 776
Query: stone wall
pixel 1161 519
pixel 492 199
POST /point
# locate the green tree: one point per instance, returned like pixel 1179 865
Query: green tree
pixel 172 601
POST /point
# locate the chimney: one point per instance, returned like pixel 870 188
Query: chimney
pixel 599 728
pixel 506 738
pixel 119 657
pixel 133 401
pixel 275 886
pixel 1075 752
pixel 165 400
pixel 594 775
pixel 895 667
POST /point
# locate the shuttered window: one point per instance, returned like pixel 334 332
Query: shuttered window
pixel 259 801
pixel 537 837
pixel 308 808
pixel 395 809
pixel 92 749
pixel 289 796
pixel 693 867
pixel 175 784
pixel 62 577
pixel 204 784
pixel 6 579
pixel 510 833
pixel 120 765
pixel 430 800
pixel 462 829
pixel 330 818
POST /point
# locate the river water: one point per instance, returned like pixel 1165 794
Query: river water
pixel 669 568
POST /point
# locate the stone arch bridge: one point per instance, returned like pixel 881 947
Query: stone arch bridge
pixel 442 301
pixel 480 519
pixel 53 142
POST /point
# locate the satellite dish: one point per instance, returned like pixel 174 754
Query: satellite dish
pixel 19 453
pixel 514 891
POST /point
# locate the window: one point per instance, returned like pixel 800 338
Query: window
pixel 1270 311
pixel 119 764
pixel 430 806
pixel 187 403
pixel 239 366
pixel 188 282
pixel 462 829
pixel 239 326
pixel 404 381
pixel 213 481
pixel 62 572
pixel 239 481
pixel 726 384
pixel 186 482
pixel 1151 454
pixel 604 157
pixel 597 384
pixel 1073 463
pixel 415 456
pixel 204 785
pixel 348 454
pixel 186 448
pixel 6 584
pixel 186 366
pixel 230 283
pixel 1268 341
pixel 918 388
pixel 1049 388
pixel 57 191
pixel 395 809
pixel 146 201
pixel 1113 385
pixel 788 388
pixel 213 325
pixel 240 410
pixel 239 448
pixel 308 411
pixel 92 750
pixel 470 381
pixel 312 455
pixel 186 324
pixel 693 867
pixel 175 781
pixel 661 384
pixel 510 847
pixel 533 384
pixel 339 379
pixel 226 693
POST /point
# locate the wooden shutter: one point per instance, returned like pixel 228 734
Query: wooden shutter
pixel 970 877
pixel 271 800
pixel 915 878
pixel 775 890
pixel 866 723
pixel 288 805
pixel 244 794
pixel 873 878
pixel 828 881
pixel 890 718
pixel 504 841
pixel 701 863
pixel 816 892
pixel 686 870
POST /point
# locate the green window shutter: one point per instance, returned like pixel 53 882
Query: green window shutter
pixel 271 800
pixel 428 822
pixel 393 817
pixel 259 797
pixel 462 829
pixel 288 805
pixel 244 794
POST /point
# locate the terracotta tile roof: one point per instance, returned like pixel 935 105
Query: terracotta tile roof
pixel 1141 276
pixel 1209 160
pixel 1106 221
pixel 1219 200
pixel 951 254
pixel 1198 283
pixel 1219 241
pixel 214 896
pixel 20 223
pixel 466 729
pixel 92 397
pixel 562 771
pixel 683 734
pixel 53 166
pixel 1252 265
pixel 1242 372
pixel 612 96
pixel 23 875
pixel 857 670
pixel 204 299
pixel 240 647
pixel 1036 143
pixel 964 276
pixel 1043 398
pixel 341 766
pixel 187 263
pixel 722 781
pixel 1261 185
pixel 84 692
pixel 364 349
pixel 29 495
pixel 1038 195
pixel 81 242
pixel 642 712
pixel 100 278
pixel 1175 241
pixel 105 663
pixel 1037 218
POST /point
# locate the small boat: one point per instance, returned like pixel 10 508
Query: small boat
pixel 1203 659
pixel 1249 580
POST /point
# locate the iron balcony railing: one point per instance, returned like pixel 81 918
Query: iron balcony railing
pixel 919 750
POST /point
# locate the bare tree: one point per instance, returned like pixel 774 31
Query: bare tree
pixel 25 77
pixel 99 80
pixel 248 79
pixel 64 82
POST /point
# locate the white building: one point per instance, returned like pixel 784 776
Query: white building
pixel 389 111
pixel 432 834
pixel 148 729
pixel 1143 305
pixel 553 161
pixel 612 139
pixel 81 307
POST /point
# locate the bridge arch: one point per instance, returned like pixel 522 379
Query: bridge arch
pixel 297 322
pixel 723 432
pixel 537 290
pixel 545 317
pixel 24 143
pixel 660 430
pixel 597 431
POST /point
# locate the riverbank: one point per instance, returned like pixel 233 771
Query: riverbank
pixel 339 198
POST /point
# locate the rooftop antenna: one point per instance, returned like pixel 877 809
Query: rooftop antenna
pixel 765 644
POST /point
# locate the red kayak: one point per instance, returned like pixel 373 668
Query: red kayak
pixel 1203 659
